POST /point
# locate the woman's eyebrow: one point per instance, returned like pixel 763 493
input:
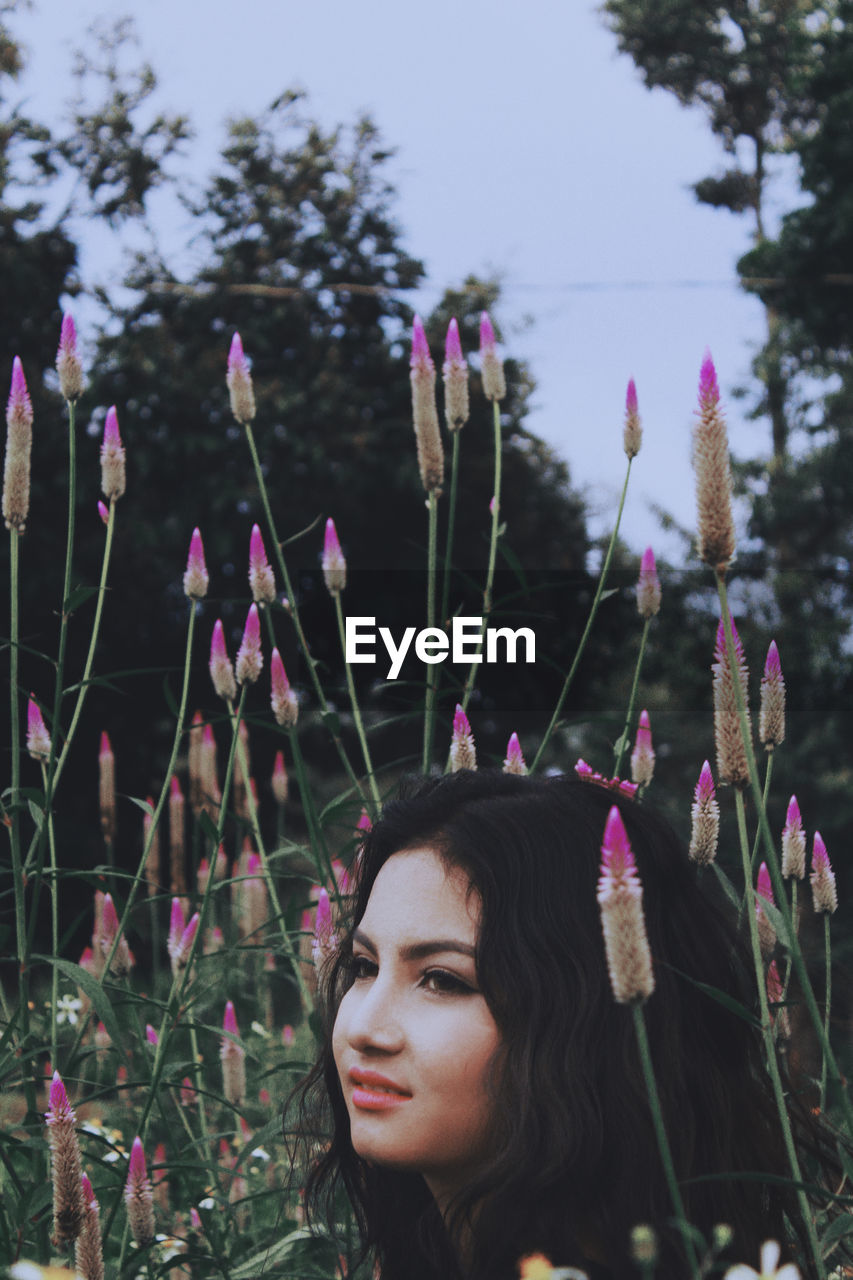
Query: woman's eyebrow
pixel 418 950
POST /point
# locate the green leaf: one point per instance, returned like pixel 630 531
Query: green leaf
pixel 722 997
pixel 842 1226
pixel 332 721
pixel 296 1241
pixel 144 805
pixel 36 814
pixel 93 989
pixel 77 597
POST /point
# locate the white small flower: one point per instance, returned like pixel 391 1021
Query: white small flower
pixel 260 1154
pixel 67 1008
pixel 769 1258
pixel 207 1203
pixel 260 1030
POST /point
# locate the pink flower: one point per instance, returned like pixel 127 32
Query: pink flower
pixel 221 671
pixel 463 754
pixel 325 939
pixel 334 564
pixel 151 1035
pixel 196 577
pixel 285 707
pixel 280 784
pixel 455 374
pixel 103 511
pixel 764 886
pixel 648 586
pixel 181 937
pixel 239 381
pixel 68 364
pixel 514 761
pixel 771 717
pixel 491 366
pixel 113 477
pixel 586 773
pixel 88 1253
pixel 261 577
pixel 643 755
pixel 705 815
pixel 122 961
pixel 69 1209
pixel 793 842
pixel 824 892
pixel 38 738
pixel 713 475
pixel 19 442
pixel 107 789
pixel 732 764
pixel 632 432
pixel 620 901
pixel 364 823
pixel 250 660
pixel 139 1197
pixel 233 1057
pixel 424 411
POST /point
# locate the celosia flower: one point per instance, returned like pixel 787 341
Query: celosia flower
pixel 196 577
pixel 732 765
pixel 19 442
pixel 705 818
pixel 139 1198
pixel 113 477
pixel 88 1253
pixel 250 660
pixel 107 789
pixel 455 374
pixel 66 1170
pixel 771 717
pixel 713 475
pixel 325 941
pixel 233 1057
pixel 424 412
pixel 152 842
pixel 151 1036
pixel 769 1270
pixel 648 586
pixel 586 773
pixel 280 784
pixel 261 577
pixel 103 511
pixel 764 891
pixel 221 671
pixel 181 936
pixel 177 844
pixel 122 960
pixel 239 381
pixel 254 901
pixel 793 842
pixel 620 900
pixel 643 755
pixel 364 823
pixel 824 892
pixel 38 738
pixel 514 762
pixel 68 364
pixel 285 707
pixel 463 754
pixel 775 994
pixel 491 366
pixel 632 432
pixel 194 755
pixel 334 564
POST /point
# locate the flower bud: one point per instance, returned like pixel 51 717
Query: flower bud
pixel 620 901
pixel 713 475
pixel 334 564
pixel 139 1198
pixel 463 754
pixel 514 762
pixel 424 412
pixel 491 366
pixel 648 586
pixel 285 707
pixel 771 716
pixel 632 432
pixel 261 577
pixel 455 374
pixel 68 364
pixel 38 738
pixel 239 381
pixel 250 660
pixel 113 478
pixel 221 671
pixel 196 577
pixel 19 443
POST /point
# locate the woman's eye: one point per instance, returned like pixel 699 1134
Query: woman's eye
pixel 440 982
pixel 361 967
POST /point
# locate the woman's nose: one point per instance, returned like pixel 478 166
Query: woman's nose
pixel 374 1017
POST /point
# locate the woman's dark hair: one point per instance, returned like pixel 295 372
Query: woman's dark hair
pixel 576 1164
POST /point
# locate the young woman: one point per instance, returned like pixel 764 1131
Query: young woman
pixel 481 1087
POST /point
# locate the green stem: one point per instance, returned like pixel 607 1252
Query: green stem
pixel 795 919
pixel 493 553
pixel 54 924
pixel 660 1134
pixel 624 741
pixel 294 613
pixel 451 528
pixel 768 773
pixel 265 866
pixel 14 827
pixel 587 629
pixel 767 1032
pixel 773 865
pixel 356 710
pixel 828 962
pixel 432 668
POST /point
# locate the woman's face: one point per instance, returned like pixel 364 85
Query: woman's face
pixel 414 1038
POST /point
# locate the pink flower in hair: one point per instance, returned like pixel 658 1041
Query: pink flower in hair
pixel 620 901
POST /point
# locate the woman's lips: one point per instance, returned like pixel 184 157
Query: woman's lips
pixel 374 1092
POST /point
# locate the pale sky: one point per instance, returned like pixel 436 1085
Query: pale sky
pixel 526 145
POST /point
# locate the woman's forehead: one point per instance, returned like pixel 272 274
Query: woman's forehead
pixel 417 891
